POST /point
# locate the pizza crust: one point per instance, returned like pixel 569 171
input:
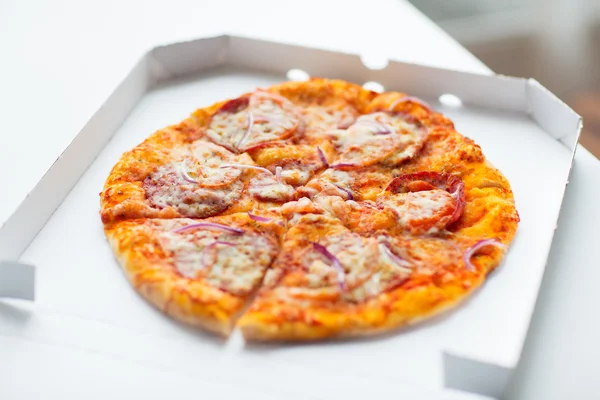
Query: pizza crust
pixel 149 266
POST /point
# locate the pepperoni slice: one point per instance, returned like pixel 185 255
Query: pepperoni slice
pixel 196 186
pixel 209 159
pixel 425 202
pixel 252 121
pixel 427 180
pixel 379 137
pixel 166 188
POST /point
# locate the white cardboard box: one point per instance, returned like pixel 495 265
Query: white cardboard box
pixel 84 302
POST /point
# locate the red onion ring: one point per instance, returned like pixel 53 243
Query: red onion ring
pixel 203 256
pixel 334 262
pixel 185 175
pixel 322 157
pixel 399 261
pixel 244 166
pixel 278 174
pixel 471 251
pixel 258 218
pixel 209 225
pixel 347 191
pixel 410 98
pixel 342 165
pixel 379 128
pixel 248 129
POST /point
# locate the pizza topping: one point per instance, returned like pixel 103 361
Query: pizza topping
pixel 347 267
pixel 324 118
pixel 331 182
pixel 269 188
pixel 258 218
pixel 322 157
pixel 232 262
pixel 421 212
pixel 166 188
pixel 471 251
pixel 253 120
pixel 249 123
pixel 376 137
pixel 334 262
pixel 428 180
pixel 426 255
pixel 399 261
pixel 209 225
pixel 209 255
pixel 243 166
pixel 185 174
pixel 209 161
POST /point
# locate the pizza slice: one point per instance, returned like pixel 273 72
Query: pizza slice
pixel 196 180
pixel 329 281
pixel 201 272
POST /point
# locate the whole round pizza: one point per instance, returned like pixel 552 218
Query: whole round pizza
pixel 308 210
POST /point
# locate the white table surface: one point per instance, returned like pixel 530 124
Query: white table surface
pixel 61 59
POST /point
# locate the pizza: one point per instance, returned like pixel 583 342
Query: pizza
pixel 306 211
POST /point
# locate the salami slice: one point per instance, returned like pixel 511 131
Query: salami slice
pixel 250 121
pixel 378 137
pixel 425 202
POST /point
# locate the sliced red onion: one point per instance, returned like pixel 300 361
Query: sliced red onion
pixel 209 225
pixel 399 261
pixel 334 262
pixel 409 98
pixel 378 127
pixel 248 129
pixel 203 261
pixel 185 175
pixel 471 251
pixel 258 218
pixel 322 157
pixel 347 191
pixel 278 174
pixel 342 165
pixel 369 204
pixel 244 166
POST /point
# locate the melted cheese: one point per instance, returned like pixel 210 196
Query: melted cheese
pixel 267 188
pixel 377 137
pixel 332 182
pixel 322 118
pixel 268 120
pixel 368 271
pixel 431 208
pixel 236 268
pixel 166 188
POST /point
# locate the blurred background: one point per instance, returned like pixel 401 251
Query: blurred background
pixel 556 42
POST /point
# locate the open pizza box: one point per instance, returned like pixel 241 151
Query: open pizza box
pixel 84 303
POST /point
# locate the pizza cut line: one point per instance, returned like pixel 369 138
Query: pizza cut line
pixel 307 211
